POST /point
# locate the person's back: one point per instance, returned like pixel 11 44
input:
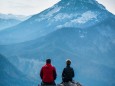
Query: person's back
pixel 48 73
pixel 68 72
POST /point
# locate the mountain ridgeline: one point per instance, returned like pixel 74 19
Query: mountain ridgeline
pixel 66 13
pixel 81 30
pixel 9 20
pixel 5 23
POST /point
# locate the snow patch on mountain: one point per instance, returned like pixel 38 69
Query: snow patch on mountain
pixel 85 17
pixel 51 12
pixel 62 16
pixel 82 19
pixel 55 10
pixel 90 1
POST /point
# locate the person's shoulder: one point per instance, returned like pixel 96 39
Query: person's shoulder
pixel 65 68
pixel 71 68
pixel 53 66
pixel 43 66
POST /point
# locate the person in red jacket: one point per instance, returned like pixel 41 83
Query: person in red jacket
pixel 48 74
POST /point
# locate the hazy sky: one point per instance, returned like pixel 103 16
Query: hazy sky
pixel 29 7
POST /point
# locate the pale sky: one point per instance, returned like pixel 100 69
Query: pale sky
pixel 30 7
pixel 109 4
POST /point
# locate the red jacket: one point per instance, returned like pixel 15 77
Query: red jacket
pixel 48 73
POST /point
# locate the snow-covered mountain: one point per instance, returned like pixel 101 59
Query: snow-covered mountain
pixel 66 13
pixel 82 30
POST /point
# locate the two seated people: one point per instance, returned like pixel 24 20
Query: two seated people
pixel 48 73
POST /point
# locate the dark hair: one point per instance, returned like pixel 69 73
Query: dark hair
pixel 68 61
pixel 48 61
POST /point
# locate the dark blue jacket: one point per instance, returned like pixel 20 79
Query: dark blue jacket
pixel 67 74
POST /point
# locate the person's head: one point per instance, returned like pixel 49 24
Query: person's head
pixel 48 61
pixel 68 62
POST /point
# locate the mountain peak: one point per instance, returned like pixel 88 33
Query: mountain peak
pixel 66 13
pixel 82 4
pixel 79 0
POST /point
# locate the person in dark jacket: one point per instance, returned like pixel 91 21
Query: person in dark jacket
pixel 68 72
pixel 48 74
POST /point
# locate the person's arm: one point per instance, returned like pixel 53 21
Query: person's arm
pixel 73 73
pixel 41 73
pixel 54 73
pixel 63 73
